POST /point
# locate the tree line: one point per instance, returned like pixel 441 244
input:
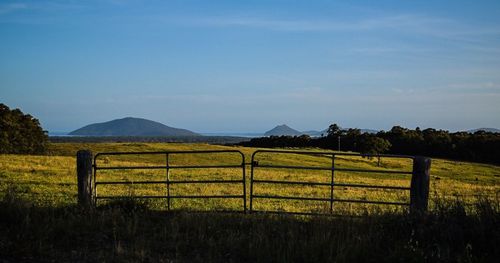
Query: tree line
pixel 21 133
pixel 480 146
pixel 230 140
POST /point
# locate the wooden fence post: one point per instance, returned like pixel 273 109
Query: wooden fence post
pixel 419 192
pixel 85 178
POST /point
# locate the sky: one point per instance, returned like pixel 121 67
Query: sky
pixel 247 66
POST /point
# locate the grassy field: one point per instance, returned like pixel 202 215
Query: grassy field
pixel 51 180
pixel 40 221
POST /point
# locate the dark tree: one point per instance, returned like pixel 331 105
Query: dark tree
pixel 334 131
pixel 20 133
pixel 371 144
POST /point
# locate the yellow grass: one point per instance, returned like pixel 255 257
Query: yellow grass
pixel 51 180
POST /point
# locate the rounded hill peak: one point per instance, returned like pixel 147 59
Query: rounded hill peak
pixel 130 126
pixel 281 130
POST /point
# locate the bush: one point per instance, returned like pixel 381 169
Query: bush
pixel 20 133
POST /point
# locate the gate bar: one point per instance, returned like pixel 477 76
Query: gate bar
pixel 164 197
pixel 166 167
pixel 167 175
pixel 336 153
pixel 329 168
pixel 328 199
pixel 172 182
pixel 333 176
pixel 336 184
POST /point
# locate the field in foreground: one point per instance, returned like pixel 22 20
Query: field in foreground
pixel 129 232
pixel 51 180
pixel 39 219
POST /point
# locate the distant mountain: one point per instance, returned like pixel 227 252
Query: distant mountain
pixel 314 133
pixel 485 129
pixel 285 130
pixel 131 127
pixel 282 130
pixel 368 131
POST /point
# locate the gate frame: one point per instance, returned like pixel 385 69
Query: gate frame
pixel 92 196
pixel 419 188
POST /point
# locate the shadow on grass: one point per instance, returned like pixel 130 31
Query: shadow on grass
pixel 127 231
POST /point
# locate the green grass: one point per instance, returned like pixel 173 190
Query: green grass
pixel 51 180
pixel 129 232
pixel 40 220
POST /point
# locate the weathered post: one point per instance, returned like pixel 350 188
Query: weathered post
pixel 419 192
pixel 85 178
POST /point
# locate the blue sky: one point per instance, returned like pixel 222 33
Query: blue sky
pixel 246 66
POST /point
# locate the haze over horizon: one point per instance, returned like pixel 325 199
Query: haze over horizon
pixel 234 66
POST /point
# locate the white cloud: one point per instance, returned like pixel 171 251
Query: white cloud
pixel 12 7
pixel 478 87
pixel 427 25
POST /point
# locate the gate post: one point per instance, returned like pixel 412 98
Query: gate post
pixel 85 178
pixel 419 190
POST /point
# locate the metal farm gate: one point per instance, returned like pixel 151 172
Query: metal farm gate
pixel 89 169
pixel 168 167
pixel 417 191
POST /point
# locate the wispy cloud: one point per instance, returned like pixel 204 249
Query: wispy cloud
pixel 439 27
pixel 40 12
pixel 12 7
pixel 399 21
pixel 41 6
pixel 476 88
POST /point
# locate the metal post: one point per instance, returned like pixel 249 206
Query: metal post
pixel 94 193
pixel 251 182
pixel 244 184
pixel 168 179
pixel 332 182
pixel 339 142
pixel 85 178
pixel 419 192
